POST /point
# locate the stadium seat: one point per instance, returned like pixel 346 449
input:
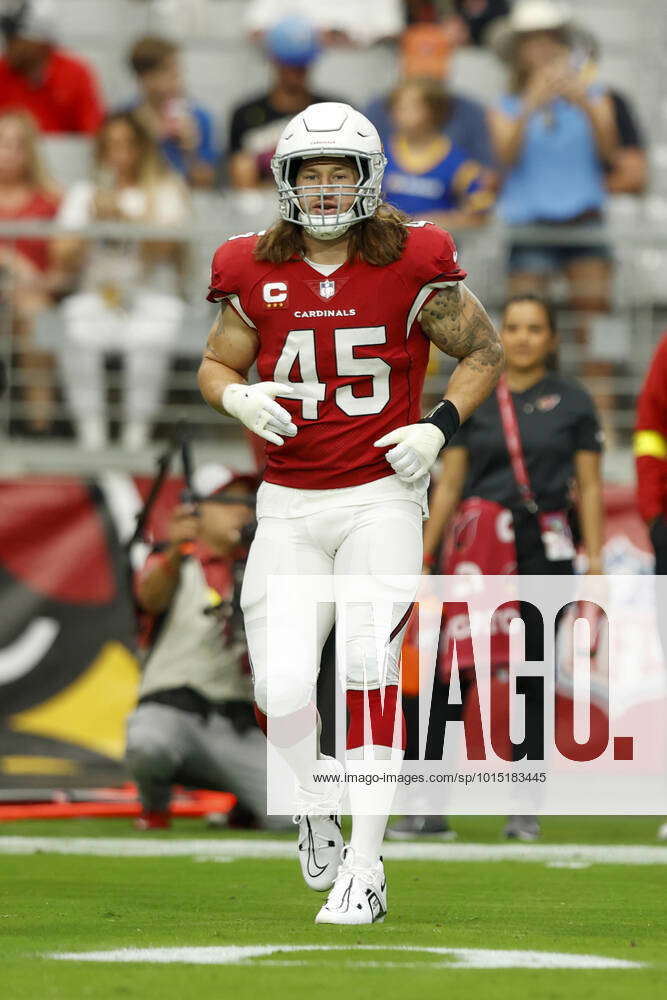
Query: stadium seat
pixel 68 157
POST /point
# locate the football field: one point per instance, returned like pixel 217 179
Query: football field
pixel 90 909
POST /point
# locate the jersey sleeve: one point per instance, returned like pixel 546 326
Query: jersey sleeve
pixel 229 274
pixel 434 255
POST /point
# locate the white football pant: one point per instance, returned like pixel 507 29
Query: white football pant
pixel 370 539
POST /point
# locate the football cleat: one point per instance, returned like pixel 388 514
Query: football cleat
pixel 320 841
pixel 320 847
pixel 358 896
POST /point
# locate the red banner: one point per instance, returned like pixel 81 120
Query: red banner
pixel 68 675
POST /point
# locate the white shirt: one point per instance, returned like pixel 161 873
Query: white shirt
pixel 119 263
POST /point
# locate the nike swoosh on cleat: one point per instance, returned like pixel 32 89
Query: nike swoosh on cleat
pixel 345 899
pixel 311 856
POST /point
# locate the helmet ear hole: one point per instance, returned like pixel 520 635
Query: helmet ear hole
pixel 293 168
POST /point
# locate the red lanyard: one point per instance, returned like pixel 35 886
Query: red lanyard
pixel 514 446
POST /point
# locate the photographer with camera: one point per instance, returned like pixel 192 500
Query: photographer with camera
pixel 194 723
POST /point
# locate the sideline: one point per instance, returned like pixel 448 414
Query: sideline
pixel 232 849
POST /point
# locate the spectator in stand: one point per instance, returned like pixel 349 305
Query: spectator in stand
pixel 627 171
pixel 427 175
pixel 36 75
pixel 292 45
pixel 26 192
pixel 514 462
pixel 466 21
pixel 553 136
pixel 194 723
pixel 183 130
pixel 125 300
pixel 346 21
pixel 425 53
pixel 477 16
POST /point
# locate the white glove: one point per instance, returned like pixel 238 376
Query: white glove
pixel 255 407
pixel 417 447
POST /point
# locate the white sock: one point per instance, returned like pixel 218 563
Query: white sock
pixel 366 839
pixel 368 830
pixel 299 756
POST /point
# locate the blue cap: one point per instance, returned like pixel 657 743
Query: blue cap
pixel 293 41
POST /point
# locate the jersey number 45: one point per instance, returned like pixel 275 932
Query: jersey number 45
pixel 300 346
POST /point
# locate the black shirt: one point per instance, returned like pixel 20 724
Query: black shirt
pixel 256 127
pixel 556 419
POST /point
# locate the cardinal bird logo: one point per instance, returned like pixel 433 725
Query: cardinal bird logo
pixel 546 403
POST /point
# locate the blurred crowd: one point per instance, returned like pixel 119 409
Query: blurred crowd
pixel 551 150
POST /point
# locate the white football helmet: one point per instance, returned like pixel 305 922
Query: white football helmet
pixel 328 130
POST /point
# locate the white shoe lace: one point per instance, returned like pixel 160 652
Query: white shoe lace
pixel 347 867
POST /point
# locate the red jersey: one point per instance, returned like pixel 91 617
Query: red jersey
pixel 349 343
pixel 42 205
pixel 651 438
pixel 66 99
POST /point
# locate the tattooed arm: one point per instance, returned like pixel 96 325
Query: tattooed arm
pixel 230 351
pixel 456 322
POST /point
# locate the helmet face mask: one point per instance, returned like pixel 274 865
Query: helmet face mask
pixel 328 132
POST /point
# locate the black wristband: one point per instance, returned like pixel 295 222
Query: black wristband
pixel 446 418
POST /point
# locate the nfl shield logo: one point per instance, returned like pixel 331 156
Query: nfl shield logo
pixel 327 289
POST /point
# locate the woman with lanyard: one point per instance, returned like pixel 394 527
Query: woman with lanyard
pixel 522 450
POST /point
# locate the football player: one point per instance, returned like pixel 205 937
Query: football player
pixel 337 304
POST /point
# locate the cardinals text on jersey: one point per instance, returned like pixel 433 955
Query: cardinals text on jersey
pixel 349 343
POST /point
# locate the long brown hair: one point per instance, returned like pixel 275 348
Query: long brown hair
pixel 379 240
pixel 152 165
pixel 37 173
pixel 433 95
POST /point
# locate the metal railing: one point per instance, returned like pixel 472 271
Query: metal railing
pixel 639 306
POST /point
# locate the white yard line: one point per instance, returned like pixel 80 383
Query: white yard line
pixel 457 958
pixel 231 849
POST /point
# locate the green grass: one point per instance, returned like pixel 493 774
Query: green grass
pixel 477 829
pixel 70 903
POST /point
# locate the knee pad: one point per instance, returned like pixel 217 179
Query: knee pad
pixel 282 695
pixel 369 664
